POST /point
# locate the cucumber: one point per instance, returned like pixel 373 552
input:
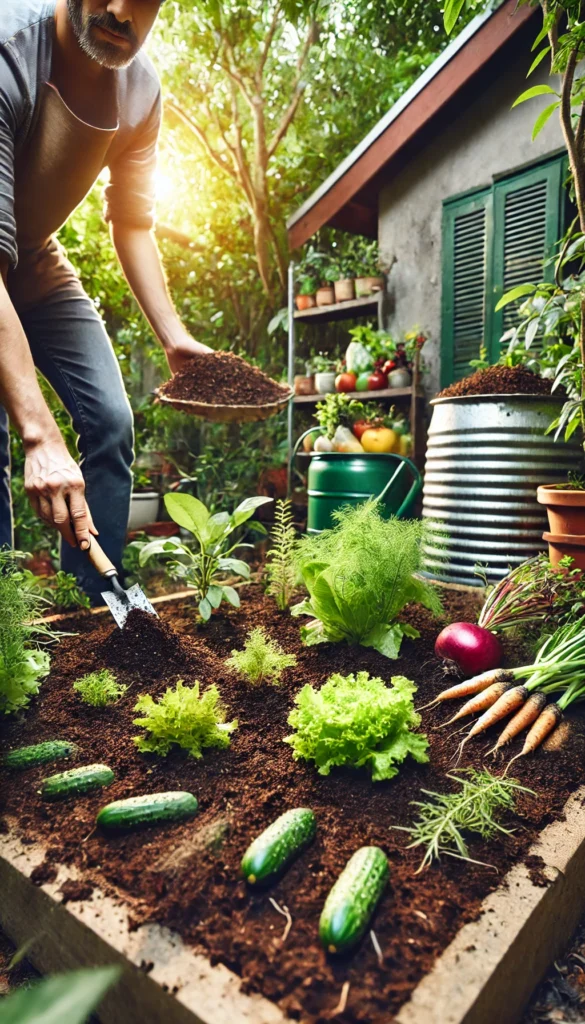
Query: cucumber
pixel 40 753
pixel 274 850
pixel 150 809
pixel 76 781
pixel 352 900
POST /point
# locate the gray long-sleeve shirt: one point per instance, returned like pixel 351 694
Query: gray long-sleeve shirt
pixel 49 158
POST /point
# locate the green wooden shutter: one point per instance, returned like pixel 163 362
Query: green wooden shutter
pixel 466 245
pixel 528 222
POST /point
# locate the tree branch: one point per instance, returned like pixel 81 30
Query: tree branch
pixel 298 90
pixel 267 45
pixel 200 135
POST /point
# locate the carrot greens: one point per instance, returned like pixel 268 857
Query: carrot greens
pixel 261 660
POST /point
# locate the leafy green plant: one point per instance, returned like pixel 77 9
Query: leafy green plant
pixel 99 688
pixel 65 592
pixel 204 568
pixel 185 718
pixel 262 659
pixel 322 363
pixel 359 721
pixel 22 661
pixel 62 999
pixel 475 807
pixel 308 284
pixel 360 575
pixel 339 410
pixel 280 564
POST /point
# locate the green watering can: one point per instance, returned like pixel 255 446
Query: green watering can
pixel 339 478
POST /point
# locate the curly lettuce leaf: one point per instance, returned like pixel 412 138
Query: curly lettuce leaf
pixel 357 721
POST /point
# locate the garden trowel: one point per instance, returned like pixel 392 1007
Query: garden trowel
pixel 119 601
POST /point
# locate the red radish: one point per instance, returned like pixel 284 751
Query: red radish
pixel 471 648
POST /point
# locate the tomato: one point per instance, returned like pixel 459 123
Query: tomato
pixel 377 381
pixel 380 439
pixel 388 366
pixel 345 382
pixel 363 381
pixel 359 428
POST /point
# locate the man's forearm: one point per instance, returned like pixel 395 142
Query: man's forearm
pixel 140 261
pixel 20 393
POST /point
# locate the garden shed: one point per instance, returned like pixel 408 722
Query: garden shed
pixel 464 204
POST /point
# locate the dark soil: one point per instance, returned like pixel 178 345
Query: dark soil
pixel 186 876
pixel 499 380
pixel 222 378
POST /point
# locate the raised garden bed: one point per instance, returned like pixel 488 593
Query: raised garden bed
pixel 186 877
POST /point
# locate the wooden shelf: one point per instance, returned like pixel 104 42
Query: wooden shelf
pixel 366 306
pixel 362 396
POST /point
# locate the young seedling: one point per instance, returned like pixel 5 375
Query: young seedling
pixel 185 718
pixel 65 592
pixel 100 688
pixel 205 562
pixel 262 659
pixel 475 807
pixel 280 566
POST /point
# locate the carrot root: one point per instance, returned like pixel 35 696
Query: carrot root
pixel 481 702
pixel 544 724
pixel 470 687
pixel 521 720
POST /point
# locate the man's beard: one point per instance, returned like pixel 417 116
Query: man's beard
pixel 107 54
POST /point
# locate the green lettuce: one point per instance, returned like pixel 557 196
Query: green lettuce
pixel 357 721
pixel 359 576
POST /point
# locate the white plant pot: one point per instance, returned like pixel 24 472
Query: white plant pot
pixel 143 509
pixel 325 382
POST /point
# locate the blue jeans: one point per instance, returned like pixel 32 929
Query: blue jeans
pixel 71 349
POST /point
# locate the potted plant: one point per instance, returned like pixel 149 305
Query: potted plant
pixel 370 280
pixel 340 272
pixel 325 372
pixel 308 284
pixel 565 507
pixel 304 383
pixel 144 502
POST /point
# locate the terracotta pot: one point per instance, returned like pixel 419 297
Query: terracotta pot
pixel 368 286
pixel 565 510
pixel 562 544
pixel 344 290
pixel 325 296
pixel 305 301
pixel 304 385
pixel 159 529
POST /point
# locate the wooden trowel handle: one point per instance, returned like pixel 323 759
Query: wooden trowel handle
pixel 100 560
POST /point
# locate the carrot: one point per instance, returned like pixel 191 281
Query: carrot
pixel 504 705
pixel 521 720
pixel 545 723
pixel 481 702
pixel 469 687
pixel 556 740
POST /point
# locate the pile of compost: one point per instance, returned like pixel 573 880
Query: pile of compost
pixel 187 875
pixel 222 378
pixel 499 380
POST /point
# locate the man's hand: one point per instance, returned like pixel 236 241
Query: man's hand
pixel 182 349
pixel 56 490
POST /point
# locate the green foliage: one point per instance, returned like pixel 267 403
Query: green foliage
pixel 339 410
pixel 22 663
pixel 475 807
pixel 204 566
pixel 262 659
pixel 62 999
pixel 357 721
pixel 280 563
pixel 360 575
pixel 64 592
pixel 185 718
pixel 100 688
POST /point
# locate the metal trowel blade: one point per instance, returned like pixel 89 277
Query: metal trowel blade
pixel 120 606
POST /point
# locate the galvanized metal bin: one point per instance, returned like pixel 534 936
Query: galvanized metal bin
pixel 486 456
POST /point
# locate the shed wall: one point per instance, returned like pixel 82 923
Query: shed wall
pixel 488 139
